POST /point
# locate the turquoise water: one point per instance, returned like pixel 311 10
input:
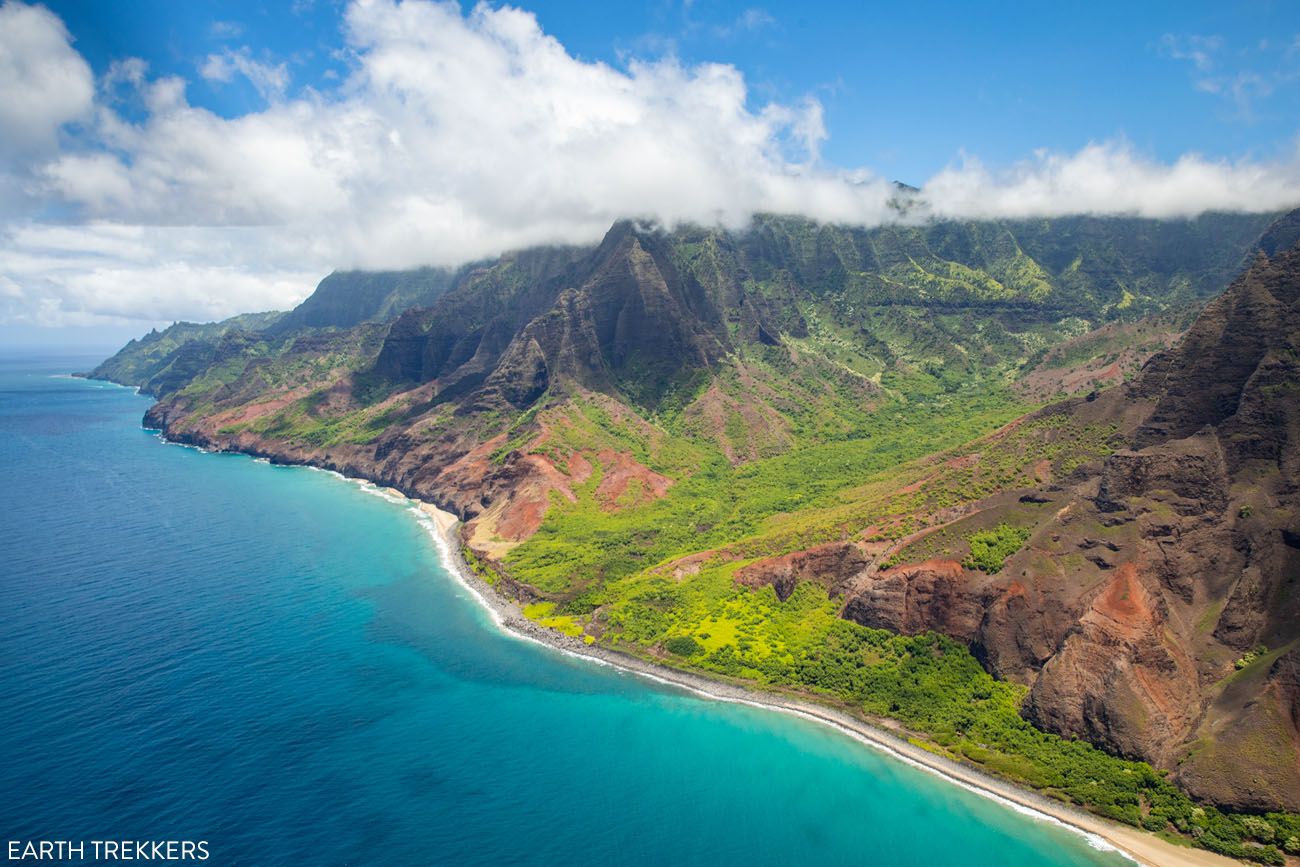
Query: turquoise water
pixel 199 646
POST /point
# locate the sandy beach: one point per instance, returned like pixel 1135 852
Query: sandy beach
pixel 1142 847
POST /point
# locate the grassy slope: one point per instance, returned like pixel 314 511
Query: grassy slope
pixel 907 358
pixel 603 571
pixel 609 572
pixel 144 357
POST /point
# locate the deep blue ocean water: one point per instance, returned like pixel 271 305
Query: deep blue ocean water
pixel 204 647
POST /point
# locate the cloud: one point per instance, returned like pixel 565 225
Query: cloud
pixel 1244 78
pixel 1200 50
pixel 456 136
pixel 754 19
pixel 109 274
pixel 749 21
pixel 1112 178
pixel 226 29
pixel 269 81
pixel 127 71
pixel 45 82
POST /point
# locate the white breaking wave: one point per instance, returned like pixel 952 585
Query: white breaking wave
pixel 449 562
pixel 447 557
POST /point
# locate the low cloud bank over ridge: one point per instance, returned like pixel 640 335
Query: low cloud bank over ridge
pixel 453 137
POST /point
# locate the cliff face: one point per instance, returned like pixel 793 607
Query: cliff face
pixel 181 346
pixel 622 319
pixel 348 298
pixel 1156 608
pixel 633 323
pixel 1220 452
pixel 1150 605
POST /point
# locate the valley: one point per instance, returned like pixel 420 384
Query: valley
pixel 1027 489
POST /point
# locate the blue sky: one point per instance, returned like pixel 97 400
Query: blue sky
pixel 164 160
pixel 906 87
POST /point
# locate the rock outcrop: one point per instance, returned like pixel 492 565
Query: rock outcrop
pixel 1154 608
pixel 834 566
pixel 1118 679
pixel 936 595
pixel 1174 559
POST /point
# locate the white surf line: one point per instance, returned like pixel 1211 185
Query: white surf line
pixel 98 383
pixel 447 557
pixel 162 438
pixel 443 546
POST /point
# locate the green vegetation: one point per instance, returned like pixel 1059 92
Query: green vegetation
pixel 544 614
pixel 479 567
pixel 867 388
pixel 715 504
pixel 615 569
pixel 936 688
pixel 1252 655
pixel 683 645
pixel 304 422
pixel 144 358
pixel 989 549
pixel 818 493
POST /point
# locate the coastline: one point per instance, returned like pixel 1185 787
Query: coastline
pixel 1137 845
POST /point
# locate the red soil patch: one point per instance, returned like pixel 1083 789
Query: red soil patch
pixel 1043 470
pixel 619 472
pixel 521 518
pixel 940 567
pixel 579 468
pixel 528 499
pixel 252 411
pixel 766 429
pixel 964 462
pixel 520 490
pixel 1124 599
pixel 915 486
pixel 834 565
pixel 468 472
pixel 874 549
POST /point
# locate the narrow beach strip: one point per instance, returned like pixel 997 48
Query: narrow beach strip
pixel 1137 845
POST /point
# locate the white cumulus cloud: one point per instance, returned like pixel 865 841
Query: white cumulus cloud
pixel 109 274
pixel 454 136
pixel 269 80
pixel 44 81
pixel 1111 178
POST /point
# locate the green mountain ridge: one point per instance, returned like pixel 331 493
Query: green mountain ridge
pixel 819 458
pixel 145 357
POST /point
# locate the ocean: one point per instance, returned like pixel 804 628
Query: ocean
pixel 273 660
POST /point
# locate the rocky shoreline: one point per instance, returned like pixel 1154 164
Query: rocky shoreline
pixel 1139 846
